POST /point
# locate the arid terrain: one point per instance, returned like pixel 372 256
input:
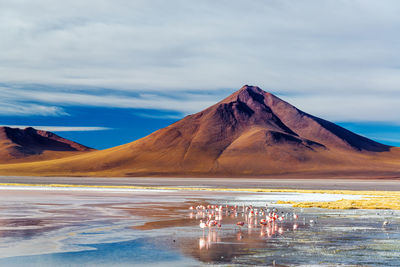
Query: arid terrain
pixel 251 133
pixel 29 144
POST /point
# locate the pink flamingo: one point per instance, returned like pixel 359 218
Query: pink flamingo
pixel 202 224
pixel 263 222
pixel 240 224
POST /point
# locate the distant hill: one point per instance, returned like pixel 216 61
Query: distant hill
pixel 250 133
pixel 29 144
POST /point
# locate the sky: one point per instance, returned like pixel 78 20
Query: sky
pixel 107 72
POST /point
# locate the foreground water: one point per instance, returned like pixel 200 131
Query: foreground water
pixel 133 227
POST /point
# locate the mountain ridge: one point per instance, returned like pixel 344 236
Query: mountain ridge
pixel 30 144
pixel 249 133
pixel 282 108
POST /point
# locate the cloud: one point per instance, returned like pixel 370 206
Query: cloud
pixel 350 107
pixel 25 109
pixel 154 53
pixel 62 128
pixel 289 45
pixel 158 116
pixel 12 102
pixel 181 101
pixel 333 106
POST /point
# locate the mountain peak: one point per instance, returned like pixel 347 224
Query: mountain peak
pixel 247 94
pixel 251 106
pixel 16 143
pixel 250 87
pixel 249 133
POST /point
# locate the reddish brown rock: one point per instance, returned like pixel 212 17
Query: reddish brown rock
pixel 250 133
pixel 30 144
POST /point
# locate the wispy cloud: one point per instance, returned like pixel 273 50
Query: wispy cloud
pixel 158 116
pixel 62 128
pixel 174 101
pixel 332 106
pixel 350 106
pixel 26 109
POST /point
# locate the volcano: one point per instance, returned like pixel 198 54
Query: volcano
pixel 251 133
pixel 29 144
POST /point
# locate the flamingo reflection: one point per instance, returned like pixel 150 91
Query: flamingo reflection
pixel 206 241
pixel 268 221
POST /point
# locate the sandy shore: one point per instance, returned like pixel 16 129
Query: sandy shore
pixel 323 184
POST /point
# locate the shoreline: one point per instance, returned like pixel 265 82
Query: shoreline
pixel 185 188
pixel 371 199
pixel 259 183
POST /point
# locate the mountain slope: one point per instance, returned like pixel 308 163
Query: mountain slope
pixel 250 133
pixel 29 144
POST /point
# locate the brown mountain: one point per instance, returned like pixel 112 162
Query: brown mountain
pixel 250 133
pixel 29 144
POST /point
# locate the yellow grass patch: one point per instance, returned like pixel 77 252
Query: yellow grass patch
pixel 390 201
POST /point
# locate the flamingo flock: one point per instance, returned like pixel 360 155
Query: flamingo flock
pixel 211 215
pixel 270 221
pixel 260 223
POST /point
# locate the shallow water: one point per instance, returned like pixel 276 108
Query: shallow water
pixel 92 227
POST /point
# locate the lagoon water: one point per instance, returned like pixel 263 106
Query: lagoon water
pixel 75 227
